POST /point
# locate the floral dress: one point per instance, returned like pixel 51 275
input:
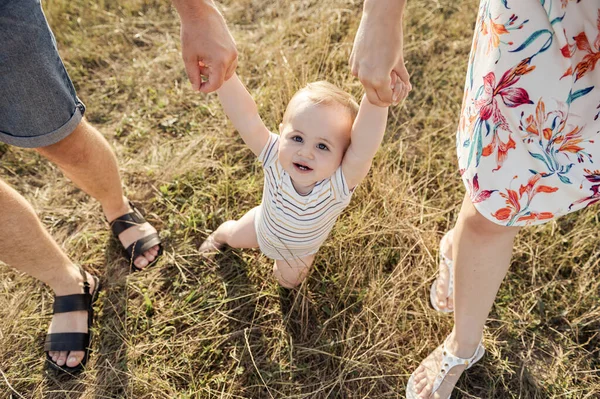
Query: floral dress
pixel 527 140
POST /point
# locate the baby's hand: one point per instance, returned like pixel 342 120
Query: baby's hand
pixel 399 89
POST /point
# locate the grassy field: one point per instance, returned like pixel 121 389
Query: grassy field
pixel 218 328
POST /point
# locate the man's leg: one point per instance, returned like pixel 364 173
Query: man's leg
pixel 27 246
pixel 86 158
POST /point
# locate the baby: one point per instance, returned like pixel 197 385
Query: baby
pixel 324 150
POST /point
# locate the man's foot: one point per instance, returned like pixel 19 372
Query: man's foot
pixel 424 379
pixel 71 322
pixel 210 245
pixel 133 234
pixel 444 301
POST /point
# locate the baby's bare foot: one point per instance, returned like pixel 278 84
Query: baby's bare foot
pixel 210 245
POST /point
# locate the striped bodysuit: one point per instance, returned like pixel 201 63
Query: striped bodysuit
pixel 291 225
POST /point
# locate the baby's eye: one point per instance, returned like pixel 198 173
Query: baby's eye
pixel 297 139
pixel 322 146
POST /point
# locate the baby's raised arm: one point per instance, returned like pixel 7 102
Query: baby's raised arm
pixel 241 109
pixel 367 134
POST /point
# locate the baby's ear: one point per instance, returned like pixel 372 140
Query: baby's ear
pixel 280 128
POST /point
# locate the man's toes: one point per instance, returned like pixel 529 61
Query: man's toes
pixel 141 262
pixel 74 358
pixel 450 303
pixel 149 257
pixel 154 250
pixel 62 358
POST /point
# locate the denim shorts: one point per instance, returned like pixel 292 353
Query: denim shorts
pixel 38 103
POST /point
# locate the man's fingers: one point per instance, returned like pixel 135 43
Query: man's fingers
pixel 193 72
pixel 216 75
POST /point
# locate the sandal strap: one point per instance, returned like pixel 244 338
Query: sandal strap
pixel 448 262
pixel 127 221
pixel 137 248
pixel 449 265
pixel 66 342
pixel 72 303
pixel 450 361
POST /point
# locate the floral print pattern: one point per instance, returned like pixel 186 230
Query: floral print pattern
pixel 526 140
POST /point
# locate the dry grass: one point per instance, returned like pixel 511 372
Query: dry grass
pixel 219 328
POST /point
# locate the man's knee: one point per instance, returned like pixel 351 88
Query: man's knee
pixel 71 150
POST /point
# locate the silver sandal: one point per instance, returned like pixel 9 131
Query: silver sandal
pixel 448 362
pixel 450 266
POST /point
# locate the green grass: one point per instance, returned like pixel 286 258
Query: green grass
pixel 219 328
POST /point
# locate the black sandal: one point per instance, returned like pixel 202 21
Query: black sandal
pixel 140 246
pixel 73 341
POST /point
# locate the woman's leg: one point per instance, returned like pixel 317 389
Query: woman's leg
pixel 481 251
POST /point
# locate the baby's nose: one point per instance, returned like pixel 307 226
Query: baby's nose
pixel 306 153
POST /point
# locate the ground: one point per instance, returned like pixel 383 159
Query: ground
pixel 193 327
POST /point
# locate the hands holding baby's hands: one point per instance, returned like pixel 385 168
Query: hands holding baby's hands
pixel 377 55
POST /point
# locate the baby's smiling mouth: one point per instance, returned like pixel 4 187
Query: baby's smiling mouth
pixel 301 167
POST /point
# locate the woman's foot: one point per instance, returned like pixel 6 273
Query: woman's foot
pixel 134 234
pixel 424 379
pixel 441 288
pixel 210 245
pixel 71 322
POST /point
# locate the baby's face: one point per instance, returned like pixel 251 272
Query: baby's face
pixel 313 141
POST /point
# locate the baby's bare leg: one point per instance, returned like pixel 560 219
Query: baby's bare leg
pixel 235 233
pixel 291 273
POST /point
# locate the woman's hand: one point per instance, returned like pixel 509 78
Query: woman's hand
pixel 378 50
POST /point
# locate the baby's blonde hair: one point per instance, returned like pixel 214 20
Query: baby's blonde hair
pixel 325 93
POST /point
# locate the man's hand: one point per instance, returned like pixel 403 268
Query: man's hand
pixel 378 50
pixel 208 49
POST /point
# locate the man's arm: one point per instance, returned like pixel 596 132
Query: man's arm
pixel 241 109
pixel 367 134
pixel 207 47
pixel 378 49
